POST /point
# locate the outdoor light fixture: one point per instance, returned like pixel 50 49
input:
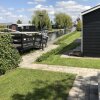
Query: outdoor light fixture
pixel 41 17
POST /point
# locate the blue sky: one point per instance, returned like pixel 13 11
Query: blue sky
pixel 12 10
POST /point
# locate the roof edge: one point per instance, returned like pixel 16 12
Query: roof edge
pixel 90 10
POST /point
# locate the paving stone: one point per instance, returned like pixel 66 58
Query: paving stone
pixel 85 85
pixel 87 90
pixel 72 98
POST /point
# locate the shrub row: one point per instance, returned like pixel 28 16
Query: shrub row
pixel 9 56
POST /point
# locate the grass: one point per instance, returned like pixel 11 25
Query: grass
pixel 24 84
pixel 73 62
pixel 64 46
pixel 67 43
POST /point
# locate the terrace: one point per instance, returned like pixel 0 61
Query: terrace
pixel 63 62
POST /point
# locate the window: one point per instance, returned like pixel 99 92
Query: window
pixel 27 27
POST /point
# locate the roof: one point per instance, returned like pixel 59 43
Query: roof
pixel 20 25
pixel 91 9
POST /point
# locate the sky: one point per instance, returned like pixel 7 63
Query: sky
pixel 12 10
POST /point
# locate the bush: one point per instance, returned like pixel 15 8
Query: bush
pixel 9 56
pixel 2 71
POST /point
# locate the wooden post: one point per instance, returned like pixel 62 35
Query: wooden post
pixel 42 41
pixel 22 41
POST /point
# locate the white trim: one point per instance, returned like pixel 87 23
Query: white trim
pixel 20 25
pixel 82 36
pixel 90 10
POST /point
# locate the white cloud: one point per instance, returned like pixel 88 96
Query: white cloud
pixel 35 2
pixel 39 0
pixel 11 9
pixel 21 10
pixel 1 18
pixel 50 9
pixel 38 6
pixel 30 2
pixel 69 7
pixel 8 15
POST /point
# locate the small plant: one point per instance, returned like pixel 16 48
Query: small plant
pixel 9 56
pixel 2 71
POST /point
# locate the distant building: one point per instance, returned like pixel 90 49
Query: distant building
pixel 26 27
pixel 13 27
pixel 23 27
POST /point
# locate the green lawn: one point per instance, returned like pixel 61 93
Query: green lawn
pixel 67 43
pixel 24 84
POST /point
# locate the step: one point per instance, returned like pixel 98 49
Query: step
pixel 94 88
pixel 84 88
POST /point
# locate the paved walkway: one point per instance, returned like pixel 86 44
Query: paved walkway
pixel 27 60
pixel 85 85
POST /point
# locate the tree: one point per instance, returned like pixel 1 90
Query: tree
pixel 2 27
pixel 79 25
pixel 9 56
pixel 41 20
pixel 19 22
pixel 29 22
pixel 63 20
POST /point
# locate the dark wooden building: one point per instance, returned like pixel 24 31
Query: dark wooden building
pixel 91 32
pixel 13 27
pixel 22 27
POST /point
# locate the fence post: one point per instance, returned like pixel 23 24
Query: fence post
pixel 22 41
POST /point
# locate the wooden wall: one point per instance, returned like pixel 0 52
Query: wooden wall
pixel 91 33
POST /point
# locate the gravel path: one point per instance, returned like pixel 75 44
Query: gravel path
pixel 27 60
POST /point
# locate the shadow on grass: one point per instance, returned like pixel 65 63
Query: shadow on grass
pixel 69 47
pixel 58 51
pixel 25 52
pixel 44 90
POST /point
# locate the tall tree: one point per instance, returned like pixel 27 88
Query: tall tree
pixel 2 27
pixel 29 22
pixel 79 25
pixel 41 19
pixel 19 22
pixel 63 20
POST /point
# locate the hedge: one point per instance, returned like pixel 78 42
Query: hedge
pixel 9 56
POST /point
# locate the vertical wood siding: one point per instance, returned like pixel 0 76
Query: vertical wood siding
pixel 91 33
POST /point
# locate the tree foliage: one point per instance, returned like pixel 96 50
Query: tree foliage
pixel 41 19
pixel 79 25
pixel 29 22
pixel 63 20
pixel 2 27
pixel 9 56
pixel 19 22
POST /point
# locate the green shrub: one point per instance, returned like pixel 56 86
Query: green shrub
pixel 9 56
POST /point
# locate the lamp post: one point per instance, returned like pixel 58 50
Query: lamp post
pixel 41 17
pixel 22 28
